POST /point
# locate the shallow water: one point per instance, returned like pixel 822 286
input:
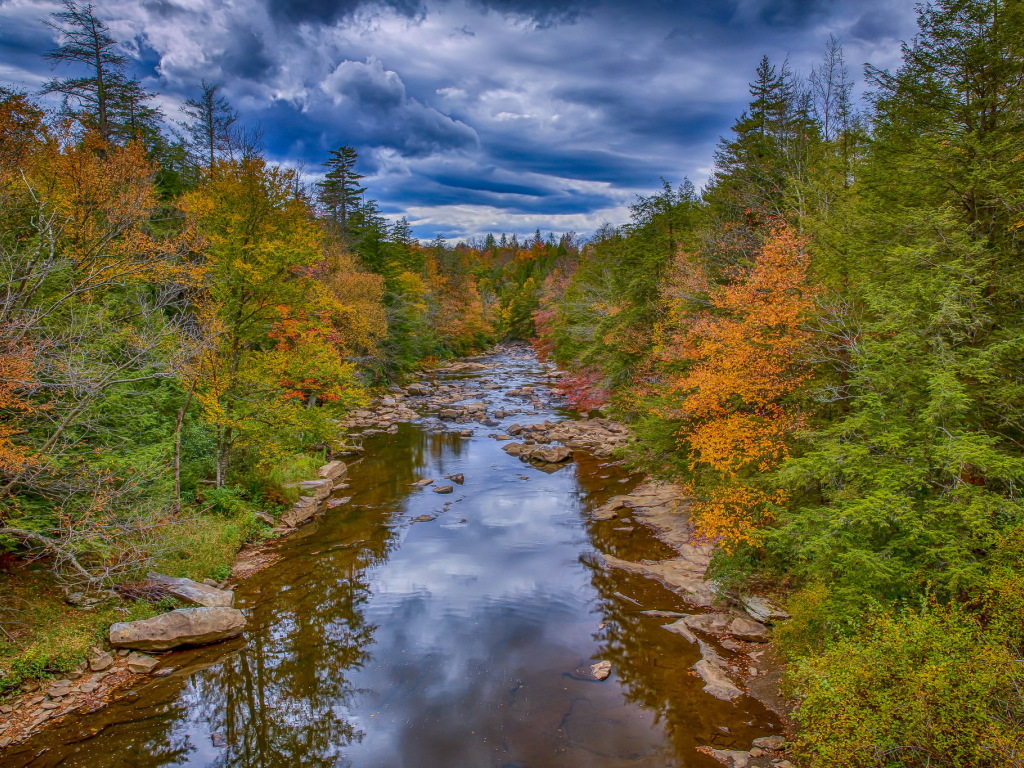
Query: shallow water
pixel 375 641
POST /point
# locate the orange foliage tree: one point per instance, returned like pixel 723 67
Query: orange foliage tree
pixel 735 340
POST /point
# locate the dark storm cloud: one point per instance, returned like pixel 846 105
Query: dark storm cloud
pixel 473 114
pixel 247 56
pixel 329 11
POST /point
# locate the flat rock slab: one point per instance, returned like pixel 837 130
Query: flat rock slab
pixel 716 682
pixel 300 512
pixel 332 470
pixel 185 626
pixel 193 592
pixel 101 661
pixel 682 575
pixel 141 663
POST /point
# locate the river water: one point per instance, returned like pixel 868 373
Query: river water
pixel 378 641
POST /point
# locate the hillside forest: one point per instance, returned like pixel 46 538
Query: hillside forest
pixel 824 345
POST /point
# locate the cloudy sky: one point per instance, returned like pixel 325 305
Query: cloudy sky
pixel 479 115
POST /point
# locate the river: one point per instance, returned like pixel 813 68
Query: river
pixel 377 641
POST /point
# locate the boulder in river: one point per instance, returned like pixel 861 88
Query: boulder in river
pixel 185 626
pixel 444 489
pixel 193 592
pixel 513 449
pixel 551 455
pixel 332 470
pixel 457 478
pixel 301 511
pixel 598 672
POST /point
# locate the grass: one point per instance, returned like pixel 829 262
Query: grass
pixel 45 636
pixel 41 635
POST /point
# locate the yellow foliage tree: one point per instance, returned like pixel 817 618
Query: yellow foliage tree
pixel 738 342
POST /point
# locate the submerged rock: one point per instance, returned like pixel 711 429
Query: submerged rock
pixel 194 592
pixel 185 626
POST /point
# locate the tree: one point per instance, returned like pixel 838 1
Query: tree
pixel 915 478
pixel 275 378
pixel 86 40
pixel 740 347
pixel 209 126
pixel 339 191
pixel 831 89
pixel 131 118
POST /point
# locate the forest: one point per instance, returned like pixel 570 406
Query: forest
pixel 824 345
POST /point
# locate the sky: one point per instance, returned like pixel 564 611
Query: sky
pixel 476 116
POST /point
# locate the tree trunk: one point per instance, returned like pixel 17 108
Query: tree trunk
pixel 177 447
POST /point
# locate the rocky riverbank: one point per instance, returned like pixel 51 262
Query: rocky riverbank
pixel 732 632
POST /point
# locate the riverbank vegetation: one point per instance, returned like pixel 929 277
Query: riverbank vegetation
pixel 183 324
pixel 826 346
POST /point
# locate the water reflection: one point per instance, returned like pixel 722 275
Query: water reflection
pixel 377 641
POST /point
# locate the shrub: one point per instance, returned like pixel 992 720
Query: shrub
pixel 912 689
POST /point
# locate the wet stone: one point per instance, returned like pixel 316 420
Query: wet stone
pixel 101 662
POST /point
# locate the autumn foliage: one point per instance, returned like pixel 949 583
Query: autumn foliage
pixel 738 343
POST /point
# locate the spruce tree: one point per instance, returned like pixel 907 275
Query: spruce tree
pixel 86 41
pixel 339 191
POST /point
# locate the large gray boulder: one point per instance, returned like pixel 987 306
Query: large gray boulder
pixel 185 626
pixel 193 592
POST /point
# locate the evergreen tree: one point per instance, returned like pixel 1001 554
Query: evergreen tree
pixel 132 119
pixel 209 125
pixel 86 41
pixel 339 191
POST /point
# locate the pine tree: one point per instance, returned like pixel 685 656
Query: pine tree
pixel 86 40
pixel 209 125
pixel 131 118
pixel 339 191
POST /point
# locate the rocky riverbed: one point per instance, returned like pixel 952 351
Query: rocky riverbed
pixel 413 471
